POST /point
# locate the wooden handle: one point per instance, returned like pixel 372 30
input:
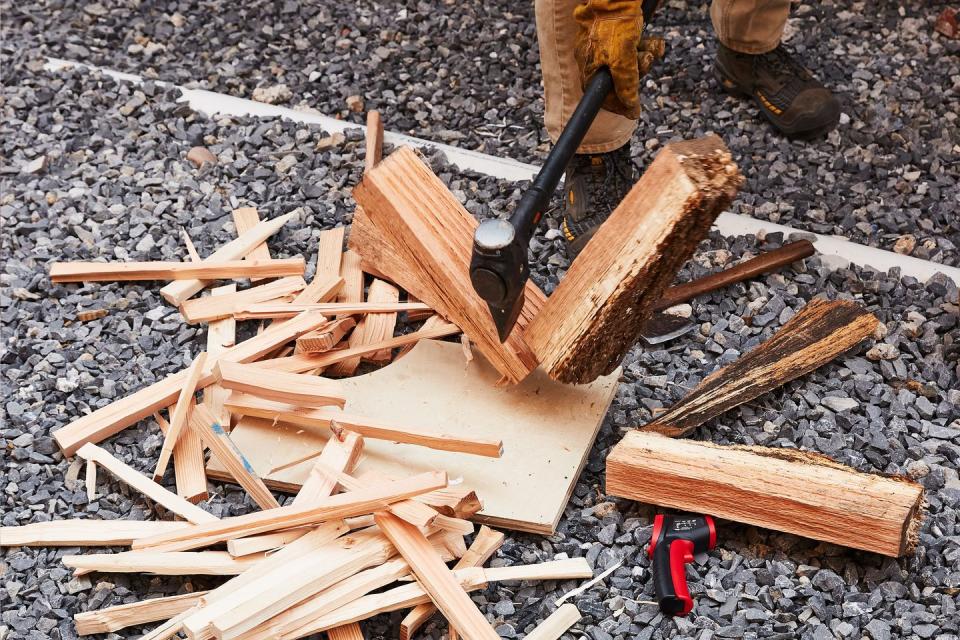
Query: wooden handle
pixel 755 266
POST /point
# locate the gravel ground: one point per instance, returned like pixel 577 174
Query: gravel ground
pixel 117 185
pixel 468 74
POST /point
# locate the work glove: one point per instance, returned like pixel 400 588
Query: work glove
pixel 609 35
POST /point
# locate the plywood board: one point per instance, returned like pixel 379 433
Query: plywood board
pixel 547 430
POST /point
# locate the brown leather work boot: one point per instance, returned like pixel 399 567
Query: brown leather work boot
pixel 786 93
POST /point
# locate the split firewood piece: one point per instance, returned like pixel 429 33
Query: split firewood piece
pixel 786 490
pixel 177 292
pixel 372 328
pixel 326 337
pixel 484 546
pixel 88 315
pixel 330 253
pixel 118 415
pixel 416 316
pixel 123 271
pixel 273 310
pixel 267 542
pixel 320 289
pixel 245 219
pixel 164 563
pixel 191 248
pixel 410 226
pixel 90 481
pixel 596 313
pixel 415 593
pixel 224 597
pixel 350 631
pixel 436 578
pixel 556 624
pixel 84 533
pixel 221 335
pixel 110 619
pixel 374 143
pixel 251 405
pixel 416 513
pixel 301 390
pixel 143 484
pixel 344 505
pixel 432 322
pixel 169 629
pixel 458 501
pixel 216 307
pixel 301 362
pixel 231 457
pixel 188 462
pixel 352 274
pixel 178 419
pixel 820 332
pixel 340 454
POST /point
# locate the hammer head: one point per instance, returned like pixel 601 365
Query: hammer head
pixel 499 272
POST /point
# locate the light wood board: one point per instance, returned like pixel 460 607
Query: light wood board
pixel 547 430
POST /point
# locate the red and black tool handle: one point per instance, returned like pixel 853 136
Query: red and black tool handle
pixel 676 539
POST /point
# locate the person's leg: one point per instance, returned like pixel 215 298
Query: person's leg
pixel 751 62
pixel 556 31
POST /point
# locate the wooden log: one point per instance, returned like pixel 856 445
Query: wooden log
pixel 556 624
pixel 231 457
pixel 372 328
pixel 176 292
pixel 164 563
pixel 110 619
pixel 216 307
pixel 782 489
pixel 84 533
pixel 820 332
pixel 484 546
pixel 340 506
pixel 125 271
pixel 118 415
pixel 340 454
pixel 293 388
pixel 247 404
pixel 188 462
pixel 326 337
pixel 596 313
pixel 272 310
pixel 301 362
pixel 245 219
pixel 179 416
pixel 411 227
pixel 143 484
pixel 436 578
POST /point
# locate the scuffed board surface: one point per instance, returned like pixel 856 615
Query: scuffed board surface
pixel 547 430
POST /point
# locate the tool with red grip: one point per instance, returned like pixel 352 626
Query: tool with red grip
pixel 676 539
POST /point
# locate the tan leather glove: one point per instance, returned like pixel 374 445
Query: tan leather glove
pixel 609 35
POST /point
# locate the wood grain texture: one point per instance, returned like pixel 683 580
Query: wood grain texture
pixel 178 418
pixel 412 228
pixel 436 578
pixel 372 328
pixel 216 307
pixel 177 292
pixel 374 141
pixel 245 219
pixel 271 310
pixel 350 631
pixel 84 533
pixel 556 624
pixel 221 335
pixel 293 388
pixel 326 337
pixel 341 454
pixel 146 486
pixel 820 332
pixel 797 492
pixel 164 563
pixel 330 253
pixel 598 310
pixel 189 464
pixel 219 442
pixel 484 546
pixel 111 619
pixel 125 271
pixel 352 274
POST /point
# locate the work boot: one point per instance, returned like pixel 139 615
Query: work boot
pixel 786 93
pixel 594 185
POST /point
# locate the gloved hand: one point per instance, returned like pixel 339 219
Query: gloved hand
pixel 609 35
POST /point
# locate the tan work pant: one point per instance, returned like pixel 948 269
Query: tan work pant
pixel 748 26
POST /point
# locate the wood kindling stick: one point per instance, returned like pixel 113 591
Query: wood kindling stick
pixel 178 419
pixel 556 624
pixel 372 328
pixel 250 405
pixel 326 337
pixel 123 271
pixel 245 219
pixel 188 243
pixel 215 307
pixel 340 506
pixel 166 563
pixel 231 457
pixel 221 335
pixel 110 619
pixel 268 310
pixel 484 546
pixel 143 484
pixel 340 455
pixel 84 533
pixel 176 292
pixel 188 461
pixel 820 332
pixel 294 388
pixel 374 140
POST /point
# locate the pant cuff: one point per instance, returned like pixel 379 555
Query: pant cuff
pixel 752 48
